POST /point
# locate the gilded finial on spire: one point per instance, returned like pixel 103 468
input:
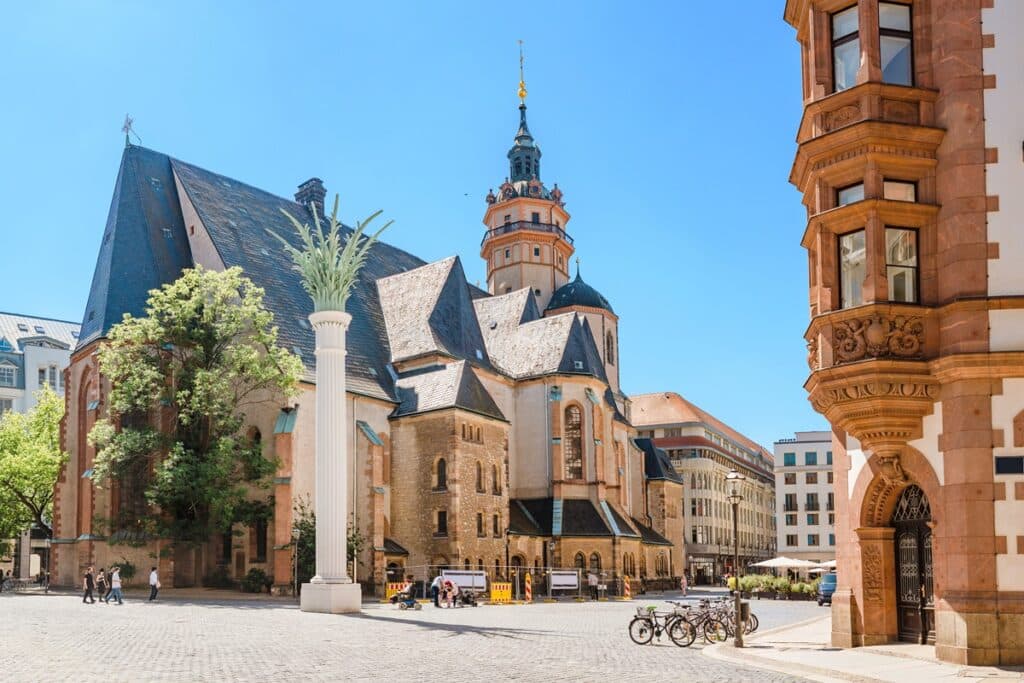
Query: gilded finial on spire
pixel 522 78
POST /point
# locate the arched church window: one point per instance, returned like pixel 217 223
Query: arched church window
pixel 573 443
pixel 609 347
pixel 441 481
pixel 495 479
pixel 595 563
pixel 479 477
pixel 580 562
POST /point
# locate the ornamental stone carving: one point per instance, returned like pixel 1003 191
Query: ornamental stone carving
pixel 872 557
pixel 812 353
pixel 841 117
pixel 878 336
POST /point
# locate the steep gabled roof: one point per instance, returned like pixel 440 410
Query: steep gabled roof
pixel 430 310
pixel 237 217
pixel 437 387
pixel 657 464
pixel 144 243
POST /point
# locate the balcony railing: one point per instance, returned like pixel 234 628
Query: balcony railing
pixel 527 225
pixel 812 507
pixel 791 507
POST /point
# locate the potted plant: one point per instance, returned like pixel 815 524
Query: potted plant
pixel 781 585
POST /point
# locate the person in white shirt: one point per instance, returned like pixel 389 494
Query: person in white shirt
pixel 115 586
pixel 154 584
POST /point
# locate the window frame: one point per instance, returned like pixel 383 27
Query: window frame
pixel 844 188
pixel 577 440
pixel 441 529
pixel 916 268
pixel 839 266
pixel 836 42
pixel 896 33
pixel 13 370
pixel 912 183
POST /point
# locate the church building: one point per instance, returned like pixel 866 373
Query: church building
pixel 488 428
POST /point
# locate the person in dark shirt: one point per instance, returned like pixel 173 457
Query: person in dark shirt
pixel 88 583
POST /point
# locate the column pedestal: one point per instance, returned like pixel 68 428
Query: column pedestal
pixel 331 598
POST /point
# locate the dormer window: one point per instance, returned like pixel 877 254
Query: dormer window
pixel 845 48
pixel 22 327
pixel 40 330
pixel 5 345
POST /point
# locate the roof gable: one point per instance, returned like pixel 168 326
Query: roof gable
pixel 438 387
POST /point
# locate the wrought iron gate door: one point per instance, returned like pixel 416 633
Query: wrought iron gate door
pixel 915 601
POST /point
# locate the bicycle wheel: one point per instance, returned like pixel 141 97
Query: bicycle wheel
pixel 752 623
pixel 715 631
pixel 682 632
pixel 641 630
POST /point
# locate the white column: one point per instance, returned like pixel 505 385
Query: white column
pixel 331 589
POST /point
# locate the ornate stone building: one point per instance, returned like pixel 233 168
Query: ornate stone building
pixel 487 427
pixel 703 450
pixel 909 164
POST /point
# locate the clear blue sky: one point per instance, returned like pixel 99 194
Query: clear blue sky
pixel 669 126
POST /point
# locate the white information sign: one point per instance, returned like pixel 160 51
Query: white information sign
pixel 472 580
pixel 565 580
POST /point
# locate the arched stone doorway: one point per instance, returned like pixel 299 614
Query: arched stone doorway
pixel 915 598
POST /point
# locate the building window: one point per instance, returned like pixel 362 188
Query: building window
pixel 790 478
pixel 609 348
pixel 6 405
pixel 480 477
pixel 789 459
pixel 810 458
pixel 812 519
pixel 852 269
pixel 52 377
pixel 899 190
pixel 42 377
pixel 831 518
pixel 790 504
pixel 791 540
pixel 829 477
pixel 812 477
pixel 572 444
pixel 441 475
pixel 536 251
pixel 5 345
pixel 508 218
pixel 831 539
pixel 508 254
pixel 849 194
pixel 595 563
pixel 261 540
pixel 579 562
pixel 791 519
pixel 8 375
pixel 480 525
pixel 901 264
pixel 831 501
pixel 496 480
pixel 812 539
pixel 535 217
pixel 845 48
pixel 811 502
pixel 897 43
pixel 496 526
pixel 828 457
pixel 442 523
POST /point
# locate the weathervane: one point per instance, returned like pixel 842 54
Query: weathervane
pixel 522 79
pixel 128 130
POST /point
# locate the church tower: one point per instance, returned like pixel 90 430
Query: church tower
pixel 526 243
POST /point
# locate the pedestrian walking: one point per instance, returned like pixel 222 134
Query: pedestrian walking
pixel 592 582
pixel 683 584
pixel 101 584
pixel 154 584
pixel 435 590
pixel 88 584
pixel 115 585
pixel 110 586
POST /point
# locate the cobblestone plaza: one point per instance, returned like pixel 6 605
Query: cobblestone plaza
pixel 59 638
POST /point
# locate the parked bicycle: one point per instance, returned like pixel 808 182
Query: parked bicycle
pixel 649 623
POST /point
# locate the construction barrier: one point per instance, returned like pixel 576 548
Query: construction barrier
pixel 529 588
pixel 625 588
pixel 501 593
pixel 393 588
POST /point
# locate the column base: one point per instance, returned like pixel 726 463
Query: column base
pixel 331 598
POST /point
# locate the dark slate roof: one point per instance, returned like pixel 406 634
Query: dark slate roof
pixel 237 217
pixel 144 243
pixel 625 527
pixel 393 548
pixel 657 464
pixel 533 516
pixel 578 293
pixel 650 536
pixel 521 521
pixel 430 310
pixel 437 387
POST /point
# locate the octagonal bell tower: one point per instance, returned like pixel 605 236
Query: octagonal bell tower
pixel 526 243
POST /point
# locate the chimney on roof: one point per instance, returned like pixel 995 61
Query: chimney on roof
pixel 312 192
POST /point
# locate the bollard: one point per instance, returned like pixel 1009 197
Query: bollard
pixel 529 588
pixel 625 588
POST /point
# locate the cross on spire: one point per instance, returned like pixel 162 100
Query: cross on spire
pixel 127 129
pixel 522 78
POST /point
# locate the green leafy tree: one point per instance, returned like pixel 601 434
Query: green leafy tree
pixel 30 462
pixel 205 351
pixel 304 538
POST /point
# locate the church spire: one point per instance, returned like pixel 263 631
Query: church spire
pixel 524 157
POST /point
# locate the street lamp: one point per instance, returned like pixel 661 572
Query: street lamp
pixel 733 479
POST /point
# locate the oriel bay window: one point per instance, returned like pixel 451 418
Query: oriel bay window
pixel 852 269
pixel 901 264
pixel 896 42
pixel 849 194
pixel 845 48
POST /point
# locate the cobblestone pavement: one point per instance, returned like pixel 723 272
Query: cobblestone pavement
pixel 56 637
